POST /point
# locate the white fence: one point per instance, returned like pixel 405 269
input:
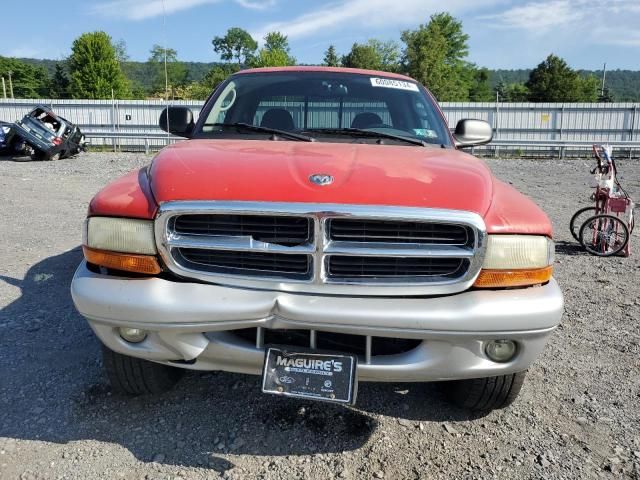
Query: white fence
pixel 531 123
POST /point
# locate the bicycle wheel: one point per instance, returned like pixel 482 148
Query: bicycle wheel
pixel 578 219
pixel 604 235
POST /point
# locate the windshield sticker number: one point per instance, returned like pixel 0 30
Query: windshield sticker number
pixel 391 83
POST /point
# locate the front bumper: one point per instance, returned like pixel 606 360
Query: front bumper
pixel 191 324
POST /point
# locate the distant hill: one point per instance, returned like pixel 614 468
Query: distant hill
pixel 136 72
pixel 624 85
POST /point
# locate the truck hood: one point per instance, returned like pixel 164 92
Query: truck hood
pixel 279 171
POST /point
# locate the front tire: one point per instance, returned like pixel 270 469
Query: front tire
pixel 489 393
pixel 134 376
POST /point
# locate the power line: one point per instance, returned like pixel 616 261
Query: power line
pixel 166 74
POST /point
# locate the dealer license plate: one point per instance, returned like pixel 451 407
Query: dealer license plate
pixel 328 377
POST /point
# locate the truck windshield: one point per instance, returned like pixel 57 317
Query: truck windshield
pixel 325 106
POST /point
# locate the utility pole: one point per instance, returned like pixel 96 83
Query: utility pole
pixel 4 89
pixel 10 83
pixel 604 78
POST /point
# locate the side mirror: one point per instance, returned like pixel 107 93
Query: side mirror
pixel 470 133
pixel 177 120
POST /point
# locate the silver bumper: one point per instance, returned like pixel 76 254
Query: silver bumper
pixel 191 322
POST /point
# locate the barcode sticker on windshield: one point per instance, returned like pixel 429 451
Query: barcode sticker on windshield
pixel 391 83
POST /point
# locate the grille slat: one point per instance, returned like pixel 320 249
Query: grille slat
pixel 266 228
pixel 342 342
pixel 351 267
pixel 357 230
pixel 248 263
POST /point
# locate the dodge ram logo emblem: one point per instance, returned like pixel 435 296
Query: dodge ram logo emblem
pixel 321 179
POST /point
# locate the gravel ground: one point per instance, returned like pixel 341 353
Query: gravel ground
pixel 577 417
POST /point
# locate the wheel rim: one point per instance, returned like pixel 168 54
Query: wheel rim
pixel 604 235
pixel 578 219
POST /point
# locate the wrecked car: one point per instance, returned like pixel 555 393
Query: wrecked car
pixel 46 136
pixel 320 227
pixel 5 147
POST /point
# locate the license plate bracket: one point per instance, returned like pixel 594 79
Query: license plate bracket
pixel 312 375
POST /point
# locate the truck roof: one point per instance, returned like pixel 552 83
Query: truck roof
pixel 326 69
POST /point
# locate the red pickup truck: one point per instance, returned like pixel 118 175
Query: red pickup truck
pixel 319 227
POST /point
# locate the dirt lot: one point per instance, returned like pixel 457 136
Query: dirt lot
pixel 578 415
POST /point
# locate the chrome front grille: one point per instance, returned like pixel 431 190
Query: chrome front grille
pixel 322 248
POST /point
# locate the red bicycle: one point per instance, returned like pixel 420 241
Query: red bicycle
pixel 605 229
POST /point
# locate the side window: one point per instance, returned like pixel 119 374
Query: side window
pixel 274 110
pixel 223 104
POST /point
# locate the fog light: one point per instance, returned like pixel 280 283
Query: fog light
pixel 500 350
pixel 132 335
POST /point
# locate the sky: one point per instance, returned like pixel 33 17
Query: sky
pixel 503 33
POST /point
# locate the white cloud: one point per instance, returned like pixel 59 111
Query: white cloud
pixel 256 4
pixel 606 22
pixel 349 14
pixel 627 39
pixel 140 10
pixel 143 9
pixel 537 15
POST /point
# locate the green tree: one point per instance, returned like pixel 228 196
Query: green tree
pixel 605 96
pixel 554 81
pixel 457 48
pixel 28 81
pixel 121 51
pixel 275 52
pixel 362 56
pixel 435 55
pixel 218 74
pixel 373 55
pixel 516 92
pixel 236 44
pixel 94 70
pixel 480 90
pixel 276 41
pixel 589 87
pixel 59 87
pixel 271 58
pixel 389 54
pixel 500 89
pixel 331 58
pixel 176 70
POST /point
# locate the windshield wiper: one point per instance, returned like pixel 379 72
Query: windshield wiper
pixel 274 131
pixel 359 132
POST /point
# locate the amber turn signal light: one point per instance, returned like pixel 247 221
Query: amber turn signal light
pixel 122 261
pixel 513 278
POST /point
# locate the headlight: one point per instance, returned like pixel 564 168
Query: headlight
pixel 125 244
pixel 518 251
pixel 121 235
pixel 516 261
